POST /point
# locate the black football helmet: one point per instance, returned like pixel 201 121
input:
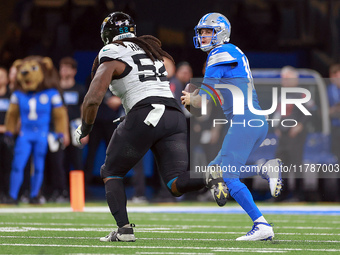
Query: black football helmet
pixel 116 26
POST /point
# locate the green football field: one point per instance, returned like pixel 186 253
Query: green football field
pixel 57 230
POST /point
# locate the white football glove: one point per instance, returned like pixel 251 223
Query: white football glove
pixel 78 134
pixel 82 130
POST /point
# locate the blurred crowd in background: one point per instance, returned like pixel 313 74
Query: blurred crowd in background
pixel 274 34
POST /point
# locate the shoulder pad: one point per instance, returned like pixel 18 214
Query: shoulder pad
pixel 220 55
pixel 110 51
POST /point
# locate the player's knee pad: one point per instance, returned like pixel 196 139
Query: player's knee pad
pixel 109 173
pixel 104 173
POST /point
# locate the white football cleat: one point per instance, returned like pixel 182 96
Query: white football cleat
pixel 121 235
pixel 214 181
pixel 260 232
pixel 272 172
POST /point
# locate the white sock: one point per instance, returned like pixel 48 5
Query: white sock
pixel 261 219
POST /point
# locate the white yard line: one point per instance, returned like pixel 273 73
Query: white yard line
pixel 164 239
pixel 231 219
pixel 148 230
pixel 218 249
pixel 174 253
pixel 162 227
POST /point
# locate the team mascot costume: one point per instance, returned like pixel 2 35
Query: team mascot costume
pixel 36 102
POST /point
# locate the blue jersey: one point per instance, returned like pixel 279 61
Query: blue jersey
pixel 227 64
pixel 35 108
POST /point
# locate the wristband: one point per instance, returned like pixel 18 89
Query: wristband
pixel 85 128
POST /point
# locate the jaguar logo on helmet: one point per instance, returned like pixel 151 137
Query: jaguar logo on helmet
pixel 221 30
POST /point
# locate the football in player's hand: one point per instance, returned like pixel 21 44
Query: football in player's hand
pixel 190 87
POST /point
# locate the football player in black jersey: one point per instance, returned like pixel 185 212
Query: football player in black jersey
pixel 132 67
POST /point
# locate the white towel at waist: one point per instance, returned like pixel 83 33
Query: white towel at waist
pixel 155 114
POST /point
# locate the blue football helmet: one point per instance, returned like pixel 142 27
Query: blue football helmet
pixel 221 30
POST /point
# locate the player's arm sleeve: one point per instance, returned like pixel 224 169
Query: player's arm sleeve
pixel 12 114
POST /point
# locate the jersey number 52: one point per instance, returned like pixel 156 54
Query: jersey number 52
pixel 148 70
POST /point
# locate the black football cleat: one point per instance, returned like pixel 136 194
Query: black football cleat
pixel 217 186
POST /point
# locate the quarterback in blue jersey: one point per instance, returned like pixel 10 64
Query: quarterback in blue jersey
pixel 34 101
pixel 227 64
